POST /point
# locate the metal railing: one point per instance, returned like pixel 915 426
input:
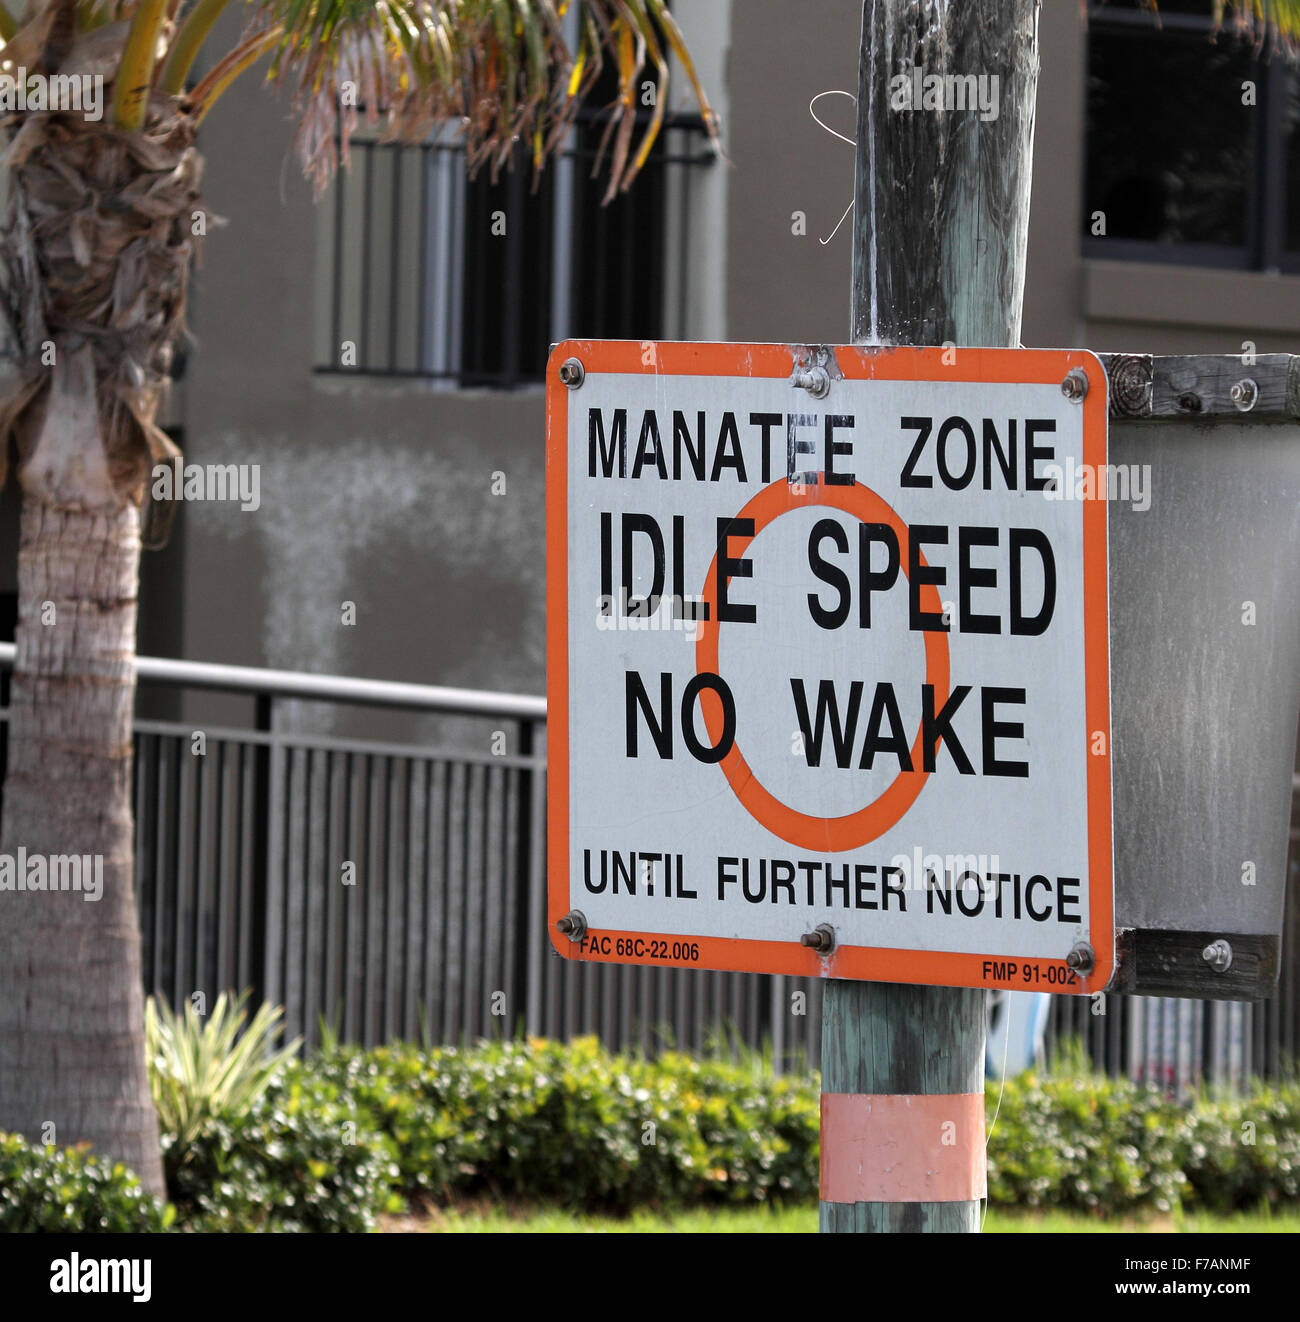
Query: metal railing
pixel 387 890
pixel 397 890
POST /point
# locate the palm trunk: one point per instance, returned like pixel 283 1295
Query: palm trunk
pixel 71 1021
pixel 96 251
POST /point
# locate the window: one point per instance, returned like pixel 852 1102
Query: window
pixel 469 282
pixel 1193 150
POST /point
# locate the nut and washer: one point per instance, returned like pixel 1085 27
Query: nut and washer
pixel 821 939
pixel 1075 385
pixel 573 925
pixel 1081 958
pixel 572 373
pixel 815 380
pixel 1218 955
pixel 1244 394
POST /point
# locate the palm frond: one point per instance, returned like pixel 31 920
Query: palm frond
pixel 228 68
pixel 501 69
pixel 1263 20
pixel 187 43
pixel 135 73
pixel 1258 21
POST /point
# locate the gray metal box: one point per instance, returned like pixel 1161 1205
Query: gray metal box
pixel 1205 668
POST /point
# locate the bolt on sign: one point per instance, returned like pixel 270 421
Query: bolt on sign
pixel 828 662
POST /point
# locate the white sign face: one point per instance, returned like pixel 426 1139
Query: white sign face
pixel 828 667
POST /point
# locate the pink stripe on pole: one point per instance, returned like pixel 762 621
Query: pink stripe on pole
pixel 902 1148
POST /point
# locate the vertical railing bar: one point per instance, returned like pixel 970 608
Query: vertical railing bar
pixel 273 956
pixel 646 1025
pixel 519 933
pixel 146 871
pixel 246 867
pixel 207 907
pixel 294 916
pixel 495 892
pixel 470 896
pixel 493 830
pixel 335 948
pixel 395 871
pixel 514 912
pixel 416 839
pixel 165 895
pixel 536 935
pixel 355 906
pixel 227 834
pixel 374 884
pixel 319 881
pixel 472 966
pixel 435 972
pixel 186 868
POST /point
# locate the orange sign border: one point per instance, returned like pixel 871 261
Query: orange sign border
pixel 866 963
pixel 802 829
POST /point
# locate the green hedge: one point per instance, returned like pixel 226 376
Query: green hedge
pixel 580 1125
pixel 297 1160
pixel 1089 1143
pixel 56 1189
pixel 1241 1153
pixel 348 1134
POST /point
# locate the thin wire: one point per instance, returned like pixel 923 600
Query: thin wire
pixel 812 110
pixel 833 91
pixel 1006 1042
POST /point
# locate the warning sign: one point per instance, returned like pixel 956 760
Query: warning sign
pixel 828 662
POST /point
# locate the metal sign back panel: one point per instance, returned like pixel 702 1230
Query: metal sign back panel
pixel 828 670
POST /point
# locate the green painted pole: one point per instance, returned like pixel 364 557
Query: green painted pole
pixel 883 1038
pixel 940 225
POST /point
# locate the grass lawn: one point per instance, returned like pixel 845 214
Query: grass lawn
pixel 488 1219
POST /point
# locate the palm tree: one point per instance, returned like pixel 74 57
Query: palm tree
pixel 105 218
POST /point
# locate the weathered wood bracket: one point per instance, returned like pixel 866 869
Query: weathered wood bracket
pixel 1128 376
pixel 1171 963
pixel 1262 386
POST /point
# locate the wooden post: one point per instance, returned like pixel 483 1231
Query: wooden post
pixel 941 220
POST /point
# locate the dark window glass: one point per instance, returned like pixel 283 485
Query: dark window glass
pixel 618 257
pixel 616 265
pixel 1171 147
pixel 507 276
pixel 1292 131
